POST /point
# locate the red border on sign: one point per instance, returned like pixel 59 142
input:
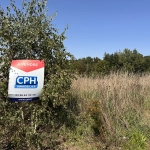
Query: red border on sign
pixel 27 65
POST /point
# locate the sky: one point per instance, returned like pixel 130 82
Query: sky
pixel 96 27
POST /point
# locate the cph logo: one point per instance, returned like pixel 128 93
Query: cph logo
pixel 26 82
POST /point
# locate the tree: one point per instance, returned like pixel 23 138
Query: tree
pixel 28 33
pixel 127 60
pixel 102 67
pixel 96 59
pixel 113 61
pixel 88 64
pixel 131 61
pixel 146 65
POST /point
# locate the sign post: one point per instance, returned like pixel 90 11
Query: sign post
pixel 26 79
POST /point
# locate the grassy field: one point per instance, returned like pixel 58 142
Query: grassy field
pixel 113 113
pixel 102 113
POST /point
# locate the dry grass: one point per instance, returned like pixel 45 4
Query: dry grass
pixel 124 99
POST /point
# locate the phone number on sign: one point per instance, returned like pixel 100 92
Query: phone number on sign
pixel 25 94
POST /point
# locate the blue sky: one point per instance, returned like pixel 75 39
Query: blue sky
pixel 99 26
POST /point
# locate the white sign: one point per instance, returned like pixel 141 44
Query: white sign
pixel 26 79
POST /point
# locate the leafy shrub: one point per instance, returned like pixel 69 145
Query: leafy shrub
pixel 28 33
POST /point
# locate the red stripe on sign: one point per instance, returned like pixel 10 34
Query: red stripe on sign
pixel 27 65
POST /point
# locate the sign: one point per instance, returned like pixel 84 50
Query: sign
pixel 26 79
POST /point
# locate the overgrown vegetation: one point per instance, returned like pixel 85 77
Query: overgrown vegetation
pixel 28 33
pixel 116 108
pixel 107 107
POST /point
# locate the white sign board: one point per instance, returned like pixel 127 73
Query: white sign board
pixel 26 79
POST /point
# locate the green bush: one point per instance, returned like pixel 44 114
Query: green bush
pixel 28 33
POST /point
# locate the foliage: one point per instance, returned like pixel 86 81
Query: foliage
pixel 119 111
pixel 102 67
pixel 28 33
pixel 95 112
pixel 59 116
pixel 136 141
pixel 113 61
pixel 131 61
pixel 147 63
pixel 126 61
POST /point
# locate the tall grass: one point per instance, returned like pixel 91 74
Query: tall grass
pixel 119 105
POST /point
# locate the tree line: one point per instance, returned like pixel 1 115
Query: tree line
pixel 125 61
